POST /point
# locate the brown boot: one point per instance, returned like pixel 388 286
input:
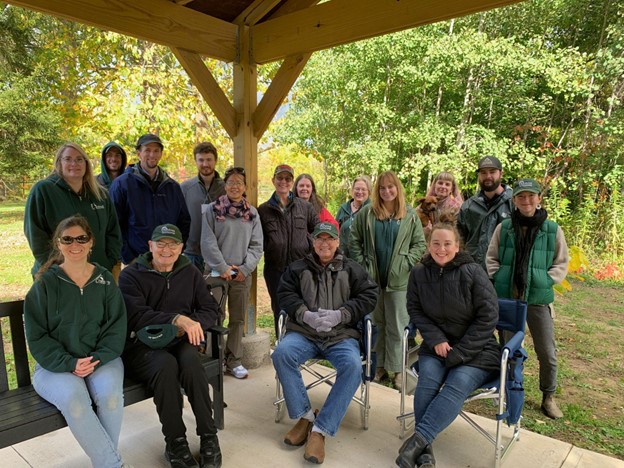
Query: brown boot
pixel 298 435
pixel 550 408
pixel 315 448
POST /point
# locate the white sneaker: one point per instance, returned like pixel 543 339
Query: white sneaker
pixel 239 372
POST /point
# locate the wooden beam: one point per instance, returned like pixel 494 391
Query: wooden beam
pixel 291 6
pixel 181 2
pixel 208 87
pixel 342 21
pixel 255 12
pixel 159 21
pixel 277 91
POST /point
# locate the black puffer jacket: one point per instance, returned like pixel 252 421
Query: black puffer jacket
pixel 340 285
pixel 458 304
pixel 286 233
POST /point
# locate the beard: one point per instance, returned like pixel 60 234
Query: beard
pixel 490 185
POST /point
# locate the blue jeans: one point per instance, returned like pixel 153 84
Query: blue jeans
pixel 296 349
pixel 196 260
pixel 440 393
pixel 97 433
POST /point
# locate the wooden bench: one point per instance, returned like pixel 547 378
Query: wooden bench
pixel 25 415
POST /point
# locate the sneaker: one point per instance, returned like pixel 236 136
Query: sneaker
pixel 179 455
pixel 209 452
pixel 239 372
pixel 315 448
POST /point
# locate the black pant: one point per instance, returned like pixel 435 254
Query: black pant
pixel 272 276
pixel 165 371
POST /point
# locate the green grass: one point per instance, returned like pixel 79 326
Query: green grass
pixel 16 259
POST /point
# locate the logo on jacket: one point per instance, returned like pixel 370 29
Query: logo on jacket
pixel 100 280
pixel 96 207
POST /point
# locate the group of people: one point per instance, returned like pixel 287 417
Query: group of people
pixel 163 243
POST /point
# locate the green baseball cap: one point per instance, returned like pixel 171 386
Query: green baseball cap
pixel 327 228
pixel 167 231
pixel 157 336
pixel 527 185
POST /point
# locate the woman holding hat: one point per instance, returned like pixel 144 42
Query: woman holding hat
pixel 76 329
pixel 527 255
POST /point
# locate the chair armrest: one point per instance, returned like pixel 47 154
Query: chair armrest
pixel 217 334
pixel 515 343
pixel 217 330
pixel 410 328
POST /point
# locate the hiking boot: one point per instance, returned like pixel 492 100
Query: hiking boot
pixel 550 408
pixel 209 452
pixel 239 372
pixel 298 435
pixel 315 448
pixel 179 455
pixel 380 374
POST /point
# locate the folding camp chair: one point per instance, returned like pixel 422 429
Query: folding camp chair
pixel 507 390
pixel 327 376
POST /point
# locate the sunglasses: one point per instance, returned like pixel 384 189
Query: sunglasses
pixel 68 240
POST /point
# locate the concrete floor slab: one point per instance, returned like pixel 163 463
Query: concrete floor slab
pixel 251 438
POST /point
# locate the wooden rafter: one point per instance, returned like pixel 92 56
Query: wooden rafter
pixel 209 88
pixel 342 21
pixel 277 91
pixel 255 12
pixel 159 21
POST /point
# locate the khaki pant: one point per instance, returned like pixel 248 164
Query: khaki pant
pixel 237 293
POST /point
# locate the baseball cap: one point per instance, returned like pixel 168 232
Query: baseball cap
pixel 327 228
pixel 157 336
pixel 149 138
pixel 284 168
pixel 167 231
pixel 489 162
pixel 527 185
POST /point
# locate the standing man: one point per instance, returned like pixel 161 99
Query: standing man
pixel 287 222
pixel 145 197
pixel 481 213
pixel 113 164
pixel 198 191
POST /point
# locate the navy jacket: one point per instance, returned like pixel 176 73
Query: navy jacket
pixel 140 209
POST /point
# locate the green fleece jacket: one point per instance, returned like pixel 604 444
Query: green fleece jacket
pixel 65 322
pixel 50 201
pixel 409 246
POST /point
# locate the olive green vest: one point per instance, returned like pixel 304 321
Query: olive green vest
pixel 539 284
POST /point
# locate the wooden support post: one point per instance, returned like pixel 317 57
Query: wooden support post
pixel 246 143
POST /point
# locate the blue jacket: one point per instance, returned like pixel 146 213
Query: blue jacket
pixel 140 209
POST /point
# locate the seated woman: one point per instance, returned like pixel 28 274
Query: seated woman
pixel 76 330
pixel 453 305
pixel 305 188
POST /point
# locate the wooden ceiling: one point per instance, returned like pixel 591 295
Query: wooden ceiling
pixel 276 29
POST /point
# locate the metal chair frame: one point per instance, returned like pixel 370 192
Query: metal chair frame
pixel 328 375
pixel 512 317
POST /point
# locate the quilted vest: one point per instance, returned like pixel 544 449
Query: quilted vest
pixel 539 284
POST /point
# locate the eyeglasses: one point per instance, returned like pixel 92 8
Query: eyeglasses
pixel 233 183
pixel 282 178
pixel 68 160
pixel 165 245
pixel 68 240
pixel 324 240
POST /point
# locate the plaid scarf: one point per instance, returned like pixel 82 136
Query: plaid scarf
pixel 224 207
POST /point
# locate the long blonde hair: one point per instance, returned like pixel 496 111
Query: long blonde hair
pixel 88 180
pixel 399 210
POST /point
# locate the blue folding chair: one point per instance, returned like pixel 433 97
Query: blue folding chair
pixel 507 390
pixel 327 376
